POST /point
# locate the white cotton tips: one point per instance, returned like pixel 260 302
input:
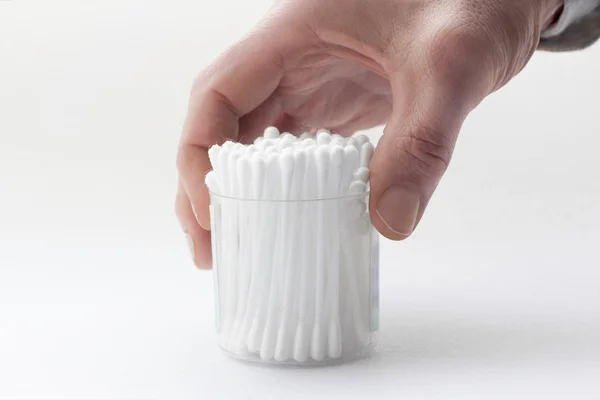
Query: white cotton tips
pixel 357 187
pixel 323 137
pixel 361 140
pixel 271 133
pixel 258 167
pixel 366 152
pixel 362 174
pixel 293 248
pixel 212 182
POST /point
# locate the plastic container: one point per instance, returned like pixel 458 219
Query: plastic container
pixel 296 282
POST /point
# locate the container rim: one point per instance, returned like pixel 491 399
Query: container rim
pixel 358 196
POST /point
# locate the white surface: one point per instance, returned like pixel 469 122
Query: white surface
pixel 495 297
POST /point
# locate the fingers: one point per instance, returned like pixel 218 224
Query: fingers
pixel 232 100
pixel 237 84
pixel 418 142
pixel 198 239
pixel 253 124
pixel 407 165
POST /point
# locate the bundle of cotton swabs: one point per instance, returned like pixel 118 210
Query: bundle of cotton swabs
pixel 291 246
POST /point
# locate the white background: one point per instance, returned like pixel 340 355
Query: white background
pixel 497 295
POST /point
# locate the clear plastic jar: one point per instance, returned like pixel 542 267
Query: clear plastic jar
pixel 296 282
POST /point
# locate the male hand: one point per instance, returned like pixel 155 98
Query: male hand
pixel 418 66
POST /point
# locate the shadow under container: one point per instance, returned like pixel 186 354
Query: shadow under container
pixel 296 282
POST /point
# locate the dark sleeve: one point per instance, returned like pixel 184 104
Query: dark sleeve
pixel 577 36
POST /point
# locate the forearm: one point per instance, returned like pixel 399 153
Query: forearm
pixel 577 28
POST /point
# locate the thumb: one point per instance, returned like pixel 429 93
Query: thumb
pixel 413 154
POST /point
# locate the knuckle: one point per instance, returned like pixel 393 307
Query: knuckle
pixel 455 52
pixel 480 44
pixel 423 153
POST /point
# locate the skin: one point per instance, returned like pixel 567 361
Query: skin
pixel 418 66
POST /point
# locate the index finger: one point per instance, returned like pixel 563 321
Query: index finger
pixel 236 84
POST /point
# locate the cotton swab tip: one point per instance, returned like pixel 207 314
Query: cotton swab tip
pixel 322 157
pixel 271 133
pixel 239 147
pixel 337 140
pixel 270 150
pixel 366 152
pixel 258 167
pixel 301 348
pixel 282 352
pixel 251 150
pixel 288 136
pixel 308 142
pixel 286 162
pixel 254 337
pixel 357 187
pixel 323 137
pixel 351 156
pixel 267 349
pixel 362 174
pixel 317 348
pixel 361 140
pixel 337 156
pixel 212 182
pixel 300 159
pixel 285 142
pixel 228 145
pixel 213 156
pixel 334 341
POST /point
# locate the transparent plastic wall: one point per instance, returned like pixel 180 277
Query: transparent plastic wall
pixel 296 281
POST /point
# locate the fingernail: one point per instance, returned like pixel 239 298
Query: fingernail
pixel 191 247
pixel 399 209
pixel 199 221
pixel 195 213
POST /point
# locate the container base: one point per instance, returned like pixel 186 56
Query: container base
pixel 366 352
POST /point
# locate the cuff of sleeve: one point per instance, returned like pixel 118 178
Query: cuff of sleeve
pixel 573 11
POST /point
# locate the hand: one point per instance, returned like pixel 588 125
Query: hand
pixel 419 65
